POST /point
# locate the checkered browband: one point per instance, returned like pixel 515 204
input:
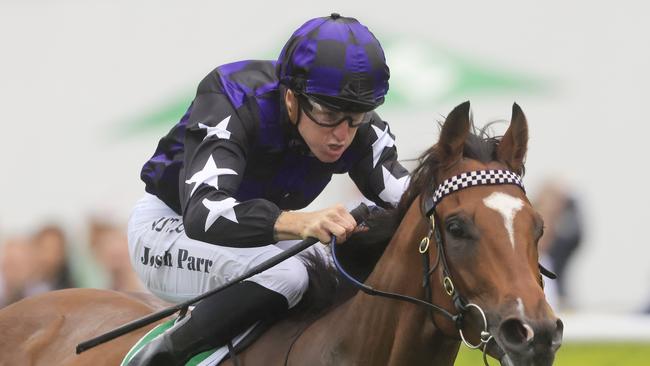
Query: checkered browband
pixel 471 179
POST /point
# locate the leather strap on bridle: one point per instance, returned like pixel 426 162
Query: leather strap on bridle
pixel 428 271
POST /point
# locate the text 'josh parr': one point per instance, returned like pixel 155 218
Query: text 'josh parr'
pixel 183 260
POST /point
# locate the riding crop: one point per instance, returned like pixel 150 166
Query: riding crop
pixel 358 213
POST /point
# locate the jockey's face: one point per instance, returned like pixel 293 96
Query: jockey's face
pixel 326 143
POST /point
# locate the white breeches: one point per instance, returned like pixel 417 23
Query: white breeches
pixel 177 268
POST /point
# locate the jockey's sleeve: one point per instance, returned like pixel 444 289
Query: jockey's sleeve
pixel 217 140
pixel 378 174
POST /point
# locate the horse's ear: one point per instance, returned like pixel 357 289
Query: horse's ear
pixel 514 144
pixel 454 133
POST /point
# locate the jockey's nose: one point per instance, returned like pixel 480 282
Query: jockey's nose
pixel 528 342
pixel 342 131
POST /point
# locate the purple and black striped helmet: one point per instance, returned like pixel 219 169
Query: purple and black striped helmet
pixel 337 61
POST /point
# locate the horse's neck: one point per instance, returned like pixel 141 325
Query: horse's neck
pixel 381 331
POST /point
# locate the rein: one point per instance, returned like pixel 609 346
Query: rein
pixel 374 292
pixel 461 305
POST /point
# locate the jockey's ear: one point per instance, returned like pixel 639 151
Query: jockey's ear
pixel 452 137
pixel 514 144
pixel 291 102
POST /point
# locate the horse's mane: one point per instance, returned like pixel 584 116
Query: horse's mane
pixel 360 253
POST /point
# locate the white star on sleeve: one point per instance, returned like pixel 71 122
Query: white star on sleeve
pixel 224 208
pixel 209 175
pixel 220 130
pixel 393 188
pixel 384 140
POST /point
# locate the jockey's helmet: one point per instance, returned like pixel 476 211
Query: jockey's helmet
pixel 337 62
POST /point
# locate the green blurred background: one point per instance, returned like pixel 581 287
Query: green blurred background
pixel 578 354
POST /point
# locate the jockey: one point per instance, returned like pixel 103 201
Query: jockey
pixel 260 140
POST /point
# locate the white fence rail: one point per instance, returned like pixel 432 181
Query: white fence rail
pixel 603 327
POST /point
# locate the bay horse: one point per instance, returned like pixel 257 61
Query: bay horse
pixel 479 283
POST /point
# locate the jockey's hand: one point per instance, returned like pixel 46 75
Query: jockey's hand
pixel 322 224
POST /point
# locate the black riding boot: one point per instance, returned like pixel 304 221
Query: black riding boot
pixel 213 323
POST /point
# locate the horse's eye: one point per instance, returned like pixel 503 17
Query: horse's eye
pixel 455 229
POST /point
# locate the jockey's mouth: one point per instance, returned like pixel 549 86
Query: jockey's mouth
pixel 336 147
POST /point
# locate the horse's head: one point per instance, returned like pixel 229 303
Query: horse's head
pixel 489 234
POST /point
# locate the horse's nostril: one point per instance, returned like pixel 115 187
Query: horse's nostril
pixel 529 332
pixel 532 342
pixel 516 332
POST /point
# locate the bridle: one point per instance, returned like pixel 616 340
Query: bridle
pixel 461 305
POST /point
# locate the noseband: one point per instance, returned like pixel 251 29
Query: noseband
pixel 461 305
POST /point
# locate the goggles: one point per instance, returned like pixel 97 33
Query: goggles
pixel 327 117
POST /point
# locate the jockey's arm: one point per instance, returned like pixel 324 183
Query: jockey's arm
pixel 216 146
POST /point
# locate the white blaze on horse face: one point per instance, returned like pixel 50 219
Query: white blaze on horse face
pixel 508 207
pixel 520 307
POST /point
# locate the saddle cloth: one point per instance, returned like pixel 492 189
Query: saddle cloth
pixel 208 358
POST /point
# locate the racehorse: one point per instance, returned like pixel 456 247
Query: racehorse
pixel 462 252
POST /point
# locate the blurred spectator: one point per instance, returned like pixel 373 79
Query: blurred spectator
pixel 562 236
pixel 52 271
pixel 109 245
pixel 16 269
pixel 33 265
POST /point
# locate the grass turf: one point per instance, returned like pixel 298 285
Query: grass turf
pixel 578 354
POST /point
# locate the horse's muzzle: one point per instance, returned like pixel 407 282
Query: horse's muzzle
pixel 529 343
